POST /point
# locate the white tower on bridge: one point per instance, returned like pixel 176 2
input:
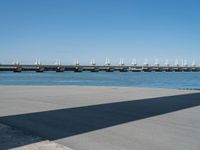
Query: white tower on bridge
pixel 134 62
pixel 193 63
pixel 57 62
pixel 107 62
pixel 37 62
pixel 76 62
pixel 121 62
pixel 15 62
pixel 93 62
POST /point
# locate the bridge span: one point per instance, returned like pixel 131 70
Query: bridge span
pixel 96 68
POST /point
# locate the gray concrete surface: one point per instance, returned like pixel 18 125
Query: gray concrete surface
pixel 11 138
pixel 109 118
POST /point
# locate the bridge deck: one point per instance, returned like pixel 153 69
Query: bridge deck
pixel 92 68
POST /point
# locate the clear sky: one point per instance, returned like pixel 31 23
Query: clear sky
pixel 84 29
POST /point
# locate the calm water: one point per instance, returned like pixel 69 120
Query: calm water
pixel 125 79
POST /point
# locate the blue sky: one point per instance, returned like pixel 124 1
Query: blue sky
pixel 84 29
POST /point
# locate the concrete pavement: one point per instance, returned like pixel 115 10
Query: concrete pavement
pixel 109 118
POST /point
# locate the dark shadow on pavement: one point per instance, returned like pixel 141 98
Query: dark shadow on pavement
pixel 57 124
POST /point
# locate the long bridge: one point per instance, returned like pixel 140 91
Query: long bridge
pixel 97 68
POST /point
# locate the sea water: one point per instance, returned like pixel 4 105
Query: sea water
pixel 177 80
